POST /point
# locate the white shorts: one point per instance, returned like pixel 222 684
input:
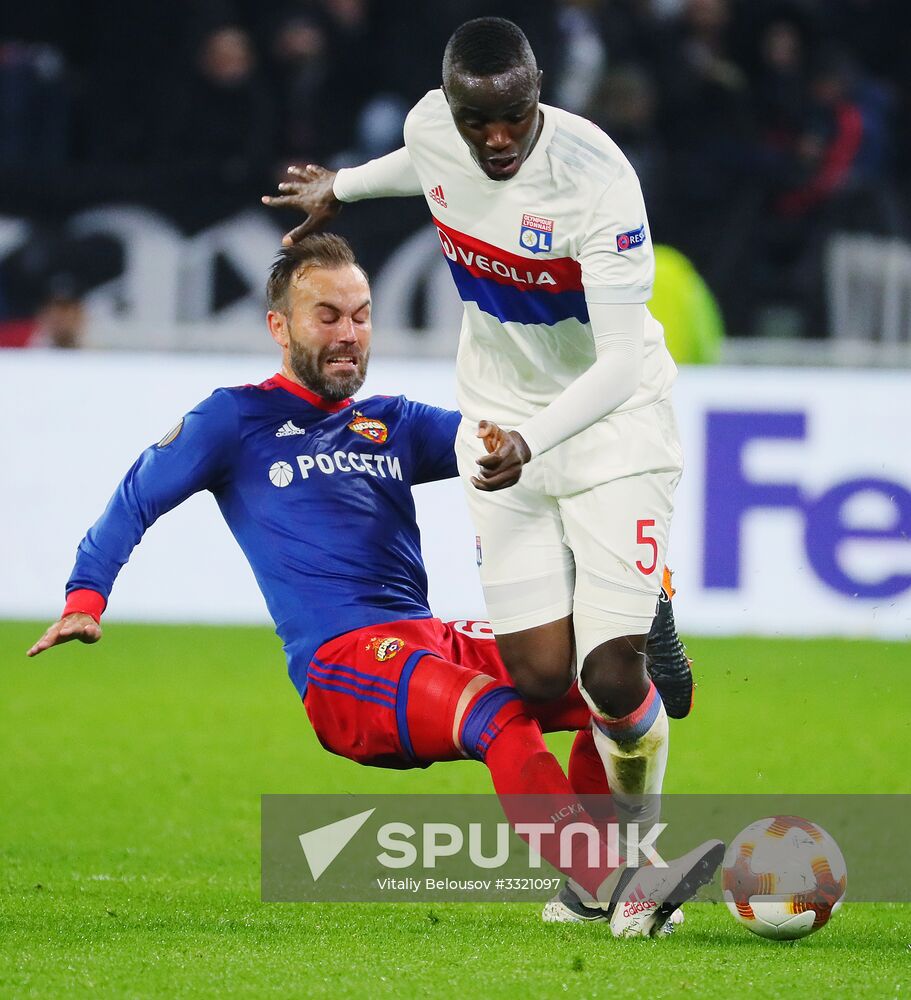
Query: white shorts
pixel 585 530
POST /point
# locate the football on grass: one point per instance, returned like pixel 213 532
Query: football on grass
pixel 783 877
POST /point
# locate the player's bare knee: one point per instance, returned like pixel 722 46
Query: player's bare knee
pixel 541 679
pixel 613 670
pixel 540 660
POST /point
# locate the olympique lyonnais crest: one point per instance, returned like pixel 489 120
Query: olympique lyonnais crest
pixel 536 234
pixel 385 648
pixel 374 430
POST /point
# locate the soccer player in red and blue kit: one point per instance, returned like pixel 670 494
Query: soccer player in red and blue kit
pixel 317 491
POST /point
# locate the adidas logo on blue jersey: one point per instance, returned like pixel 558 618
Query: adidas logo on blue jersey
pixel 288 428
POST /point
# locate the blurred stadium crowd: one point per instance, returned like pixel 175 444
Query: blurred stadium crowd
pixel 758 127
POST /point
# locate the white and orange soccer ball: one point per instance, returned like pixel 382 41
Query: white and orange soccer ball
pixel 783 877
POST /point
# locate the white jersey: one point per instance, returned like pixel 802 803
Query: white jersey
pixel 527 252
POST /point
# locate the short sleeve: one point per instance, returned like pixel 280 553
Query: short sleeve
pixel 616 255
pixel 433 433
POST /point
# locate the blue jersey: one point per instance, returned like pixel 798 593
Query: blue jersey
pixel 318 496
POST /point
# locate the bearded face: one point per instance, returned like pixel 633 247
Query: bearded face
pixel 324 328
pixel 334 372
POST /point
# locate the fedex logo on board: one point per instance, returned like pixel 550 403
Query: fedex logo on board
pixel 730 495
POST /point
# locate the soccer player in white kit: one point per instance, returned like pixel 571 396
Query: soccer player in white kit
pixel 542 222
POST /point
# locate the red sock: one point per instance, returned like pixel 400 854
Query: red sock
pixel 587 777
pixel 532 788
pixel 567 713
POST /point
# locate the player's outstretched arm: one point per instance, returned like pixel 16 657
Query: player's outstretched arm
pixel 501 467
pixel 308 190
pixel 193 456
pixel 75 626
pixel 321 193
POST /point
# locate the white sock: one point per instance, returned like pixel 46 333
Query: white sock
pixel 634 751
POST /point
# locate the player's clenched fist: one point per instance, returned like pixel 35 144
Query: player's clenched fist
pixel 75 626
pixel 507 452
pixel 309 190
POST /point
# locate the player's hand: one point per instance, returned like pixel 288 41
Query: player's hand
pixel 501 467
pixel 309 190
pixel 78 625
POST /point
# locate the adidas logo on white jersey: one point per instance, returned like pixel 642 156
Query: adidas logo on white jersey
pixel 438 196
pixel 288 428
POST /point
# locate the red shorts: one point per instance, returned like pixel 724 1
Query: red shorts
pixel 408 693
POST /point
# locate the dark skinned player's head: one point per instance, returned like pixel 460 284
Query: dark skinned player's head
pixel 492 83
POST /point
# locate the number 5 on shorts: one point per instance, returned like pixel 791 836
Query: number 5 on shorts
pixel 643 539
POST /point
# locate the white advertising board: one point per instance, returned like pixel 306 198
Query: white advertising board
pixel 793 516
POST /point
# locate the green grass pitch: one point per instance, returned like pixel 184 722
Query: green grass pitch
pixel 129 832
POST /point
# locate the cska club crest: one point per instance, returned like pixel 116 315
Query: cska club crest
pixel 374 430
pixel 385 648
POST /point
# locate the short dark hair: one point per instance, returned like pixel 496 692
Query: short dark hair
pixel 316 250
pixel 486 46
